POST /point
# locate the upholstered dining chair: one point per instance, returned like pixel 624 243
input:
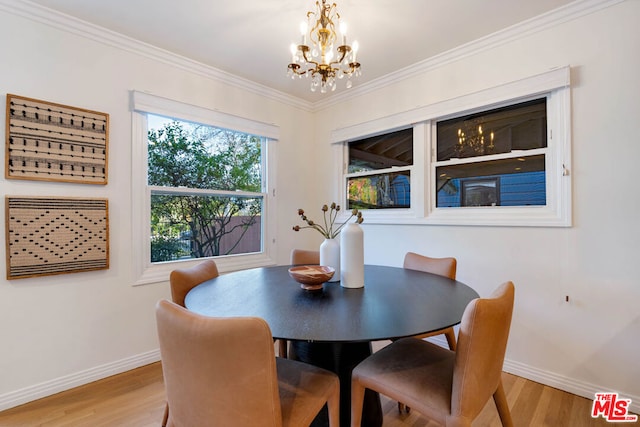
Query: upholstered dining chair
pixel 449 387
pixel 181 281
pixel 443 267
pixel 184 279
pixel 223 372
pixel 305 257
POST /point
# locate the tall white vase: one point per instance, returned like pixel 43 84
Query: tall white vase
pixel 330 256
pixel 352 256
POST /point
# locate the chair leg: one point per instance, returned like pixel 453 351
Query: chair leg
pixel 403 408
pixel 165 416
pixel 282 348
pixel 357 399
pixel 500 398
pixel 333 406
pixel 451 339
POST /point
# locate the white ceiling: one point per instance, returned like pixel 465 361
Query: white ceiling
pixel 251 38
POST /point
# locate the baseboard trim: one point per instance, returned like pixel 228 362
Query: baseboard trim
pixel 552 379
pixel 38 391
pixel 47 388
pixel 570 385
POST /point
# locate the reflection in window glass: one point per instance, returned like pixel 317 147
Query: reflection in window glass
pixel 381 191
pixel 521 126
pixel 516 137
pixel 378 175
pixel 480 192
pixel 506 182
pixel 381 152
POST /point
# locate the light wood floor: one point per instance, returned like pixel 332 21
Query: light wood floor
pixel 136 399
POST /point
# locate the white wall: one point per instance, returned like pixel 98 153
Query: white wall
pixel 60 331
pixel 592 342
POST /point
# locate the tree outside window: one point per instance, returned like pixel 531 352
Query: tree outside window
pixel 206 190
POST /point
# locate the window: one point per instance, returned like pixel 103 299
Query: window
pixel 203 185
pixel 379 171
pixel 500 156
pixel 493 158
pixel 206 190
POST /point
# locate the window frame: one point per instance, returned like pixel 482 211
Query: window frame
pixel 554 85
pixel 146 272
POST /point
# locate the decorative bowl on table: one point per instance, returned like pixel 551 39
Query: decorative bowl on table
pixel 311 277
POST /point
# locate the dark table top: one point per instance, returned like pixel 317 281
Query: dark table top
pixel 394 303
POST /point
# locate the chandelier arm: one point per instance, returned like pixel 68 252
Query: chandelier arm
pixel 315 63
pixel 343 51
pixel 295 68
pixel 306 59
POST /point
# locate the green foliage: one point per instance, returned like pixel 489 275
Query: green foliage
pixel 167 248
pixel 186 155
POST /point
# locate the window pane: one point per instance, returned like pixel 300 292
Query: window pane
pixel 195 156
pixel 382 151
pixel 516 127
pixel 507 182
pixel 187 226
pixel 183 154
pixel 388 190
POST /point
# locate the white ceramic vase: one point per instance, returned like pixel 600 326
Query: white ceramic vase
pixel 330 256
pixel 352 256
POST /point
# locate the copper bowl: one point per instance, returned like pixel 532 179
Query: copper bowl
pixel 311 277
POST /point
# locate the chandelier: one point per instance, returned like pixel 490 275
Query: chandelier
pixel 473 140
pixel 322 60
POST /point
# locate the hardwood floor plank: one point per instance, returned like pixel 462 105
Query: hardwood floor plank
pixel 523 409
pixel 542 406
pixel 137 398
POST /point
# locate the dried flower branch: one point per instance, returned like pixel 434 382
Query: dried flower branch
pixel 329 214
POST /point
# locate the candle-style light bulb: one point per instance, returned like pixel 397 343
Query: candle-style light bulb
pixel 294 49
pixel 303 32
pixel 355 49
pixel 343 31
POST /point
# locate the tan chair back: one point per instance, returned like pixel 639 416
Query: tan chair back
pixel 442 266
pixel 482 343
pixel 305 257
pixel 217 371
pixel 184 279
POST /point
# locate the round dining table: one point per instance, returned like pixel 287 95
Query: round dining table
pixel 333 327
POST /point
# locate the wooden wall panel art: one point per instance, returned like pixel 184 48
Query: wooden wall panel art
pixel 54 142
pixel 52 235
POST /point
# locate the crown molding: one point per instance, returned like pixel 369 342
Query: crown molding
pixel 70 24
pixel 63 22
pixel 523 29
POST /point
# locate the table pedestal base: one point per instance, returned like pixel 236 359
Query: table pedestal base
pixel 340 358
